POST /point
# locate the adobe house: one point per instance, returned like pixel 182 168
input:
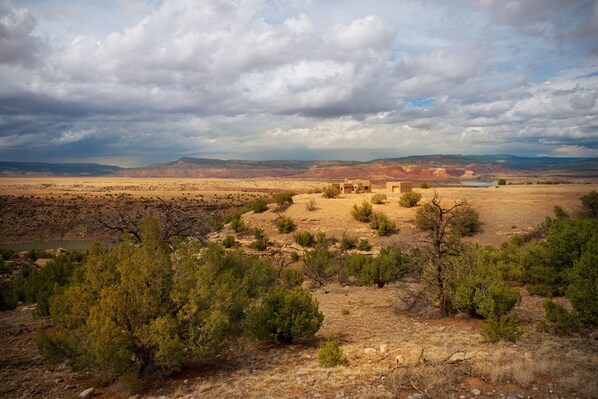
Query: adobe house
pixel 399 186
pixel 355 186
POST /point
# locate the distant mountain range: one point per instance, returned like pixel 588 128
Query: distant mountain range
pixel 56 169
pixel 428 167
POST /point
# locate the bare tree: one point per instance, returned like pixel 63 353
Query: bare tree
pixel 436 221
pixel 174 220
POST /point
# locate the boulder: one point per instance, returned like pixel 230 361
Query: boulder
pixel 88 393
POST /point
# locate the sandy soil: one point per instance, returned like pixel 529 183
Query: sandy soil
pixel 504 212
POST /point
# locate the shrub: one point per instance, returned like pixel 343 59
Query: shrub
pixel 478 286
pixel 4 269
pixel 424 185
pixel 6 254
pixel 348 242
pixel 304 238
pixel 261 240
pixel 409 200
pixel 380 222
pixel 465 222
pixel 216 225
pixel 505 328
pixel 291 278
pixel 330 192
pixel 38 285
pixel 229 217
pixel 229 242
pixel 559 319
pixel 310 205
pixel 364 245
pixel 362 213
pixel 258 205
pixel 590 203
pixel 285 225
pixel 560 213
pixel 285 198
pixel 378 198
pixel 583 283
pixel 236 223
pixel 390 265
pixel 294 256
pixel 317 264
pixel 8 298
pixel 330 353
pixel 284 315
pixel 502 182
pixel 547 264
pixel 133 313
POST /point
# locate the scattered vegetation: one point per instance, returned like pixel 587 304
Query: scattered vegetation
pixel 258 205
pixel 284 316
pixel 291 278
pixel 502 182
pixel 235 222
pixel 381 223
pixel 590 203
pixel 285 198
pixel 260 241
pixel 410 199
pixel 229 242
pixel 304 238
pixel 310 204
pixel 285 225
pixel 505 328
pixel 465 222
pixel 347 242
pixel 330 353
pixel 363 212
pixel 378 221
pixel 330 192
pixel 364 245
pixel 559 320
pixel 378 198
pixel 33 285
pixel 318 263
pixel 424 185
pixel 390 265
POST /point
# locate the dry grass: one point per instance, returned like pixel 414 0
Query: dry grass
pixel 507 365
pixel 428 379
pixel 310 204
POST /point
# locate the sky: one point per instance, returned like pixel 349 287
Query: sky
pixel 133 82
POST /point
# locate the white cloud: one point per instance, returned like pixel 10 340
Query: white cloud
pixel 187 77
pixel 17 43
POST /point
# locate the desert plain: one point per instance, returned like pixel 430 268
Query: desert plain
pixel 390 353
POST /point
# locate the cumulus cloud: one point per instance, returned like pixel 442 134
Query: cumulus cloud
pixel 193 78
pixel 18 45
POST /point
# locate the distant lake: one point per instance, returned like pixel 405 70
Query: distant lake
pixel 70 245
pixel 477 184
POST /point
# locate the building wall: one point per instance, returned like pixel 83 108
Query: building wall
pixel 399 187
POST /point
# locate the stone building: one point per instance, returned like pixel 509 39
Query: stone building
pixel 399 186
pixel 355 186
